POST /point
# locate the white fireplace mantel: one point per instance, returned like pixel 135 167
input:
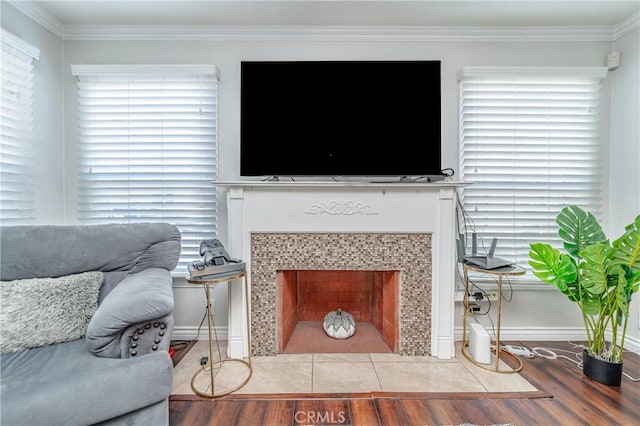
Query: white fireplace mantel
pixel 351 207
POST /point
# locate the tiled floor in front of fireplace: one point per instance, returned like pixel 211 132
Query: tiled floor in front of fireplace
pixel 346 373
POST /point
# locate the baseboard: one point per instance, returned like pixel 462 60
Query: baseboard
pixel 541 334
pixel 190 332
pixel 632 344
pixel 534 333
pixel 506 333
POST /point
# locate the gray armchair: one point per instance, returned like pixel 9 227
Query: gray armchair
pixel 119 371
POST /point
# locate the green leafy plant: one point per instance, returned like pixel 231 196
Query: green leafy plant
pixel 599 276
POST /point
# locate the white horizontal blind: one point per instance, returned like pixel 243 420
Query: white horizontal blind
pixel 148 151
pixel 17 188
pixel 531 146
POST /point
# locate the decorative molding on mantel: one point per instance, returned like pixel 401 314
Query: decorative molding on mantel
pixel 323 33
pixel 347 208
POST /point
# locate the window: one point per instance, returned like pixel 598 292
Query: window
pixel 529 142
pixel 148 140
pixel 17 188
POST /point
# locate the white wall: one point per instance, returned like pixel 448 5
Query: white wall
pixel 625 149
pixel 48 113
pixel 531 312
pixel 538 312
pixel 227 56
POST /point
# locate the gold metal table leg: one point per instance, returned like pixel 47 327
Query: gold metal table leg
pixel 211 365
pixel 495 368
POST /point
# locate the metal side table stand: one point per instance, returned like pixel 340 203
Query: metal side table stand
pixel 499 273
pixel 207 282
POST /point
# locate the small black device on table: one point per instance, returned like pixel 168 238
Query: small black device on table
pixel 215 263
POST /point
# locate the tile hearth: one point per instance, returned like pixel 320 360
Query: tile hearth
pixel 351 373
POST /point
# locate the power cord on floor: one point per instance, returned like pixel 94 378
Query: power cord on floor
pixel 183 345
pixel 205 359
pixel 178 346
pixel 551 354
pixel 548 353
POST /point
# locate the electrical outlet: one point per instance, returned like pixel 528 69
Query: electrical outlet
pixel 488 295
pixel 483 297
pixel 473 308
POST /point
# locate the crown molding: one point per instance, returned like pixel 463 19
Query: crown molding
pixel 39 16
pixel 322 33
pixel 626 26
pixel 337 33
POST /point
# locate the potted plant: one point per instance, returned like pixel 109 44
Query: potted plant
pixel 600 277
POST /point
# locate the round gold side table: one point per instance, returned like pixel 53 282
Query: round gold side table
pixel 499 273
pixel 207 282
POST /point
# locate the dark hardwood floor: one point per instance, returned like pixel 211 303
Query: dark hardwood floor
pixel 565 397
pixel 180 348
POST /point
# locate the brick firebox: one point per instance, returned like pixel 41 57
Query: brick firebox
pixel 370 296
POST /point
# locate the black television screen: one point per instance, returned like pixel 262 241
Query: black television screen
pixel 340 118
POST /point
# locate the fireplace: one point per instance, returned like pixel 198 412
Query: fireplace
pixel 407 229
pixel 397 263
pixel 304 297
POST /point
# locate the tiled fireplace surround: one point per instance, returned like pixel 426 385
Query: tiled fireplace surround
pixel 409 255
pixel 403 229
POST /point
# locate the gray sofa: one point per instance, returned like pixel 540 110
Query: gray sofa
pixel 112 369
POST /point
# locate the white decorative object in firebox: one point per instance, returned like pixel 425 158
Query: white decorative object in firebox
pixel 339 324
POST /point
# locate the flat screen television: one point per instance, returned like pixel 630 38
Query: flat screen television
pixel 340 118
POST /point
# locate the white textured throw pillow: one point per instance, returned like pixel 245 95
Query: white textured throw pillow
pixel 42 311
